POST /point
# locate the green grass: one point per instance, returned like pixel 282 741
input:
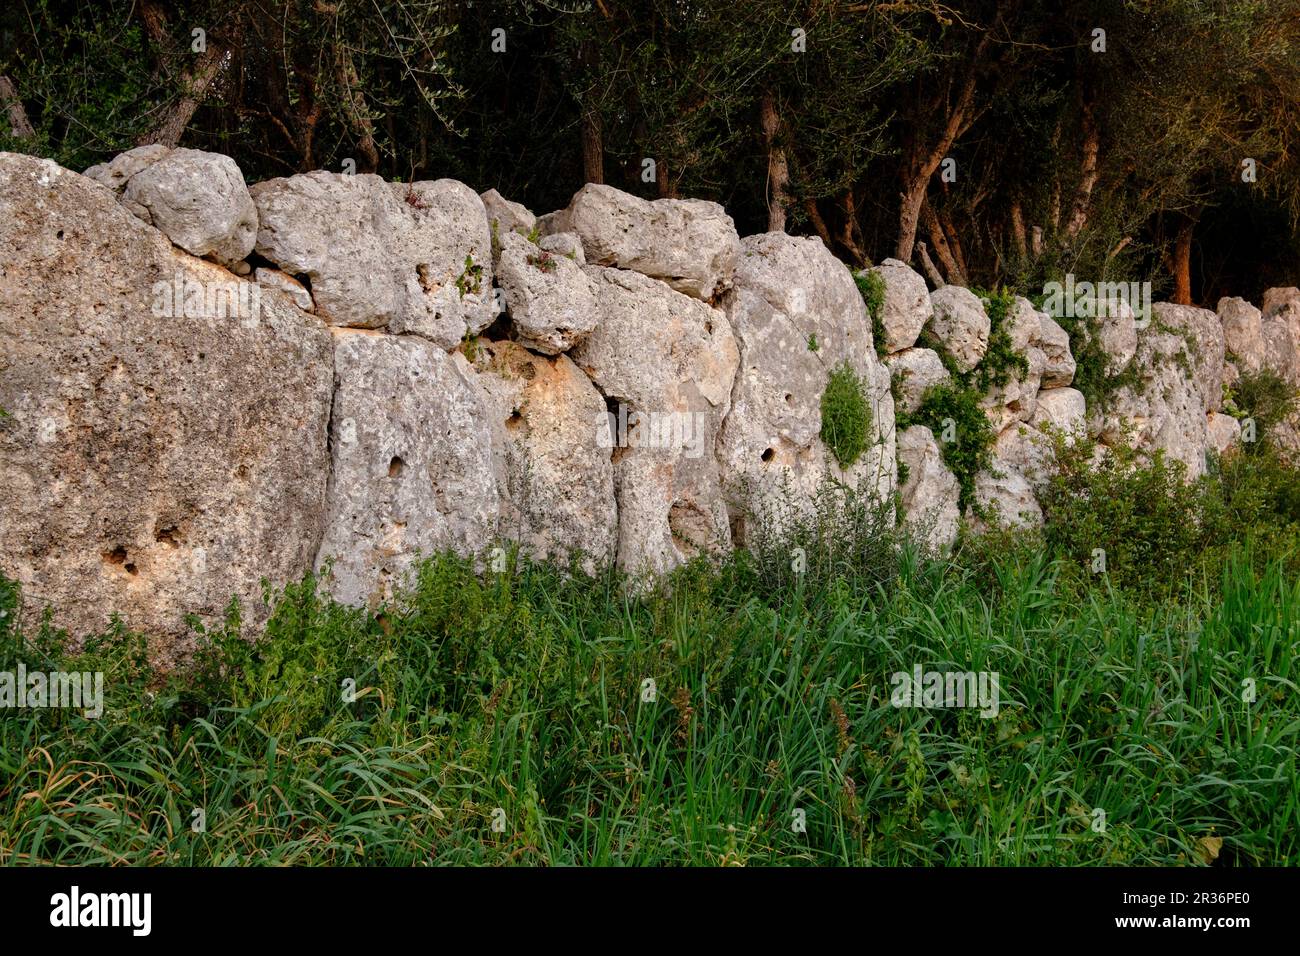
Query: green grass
pixel 524 691
pixel 846 415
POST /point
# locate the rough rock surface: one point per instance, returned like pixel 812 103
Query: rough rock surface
pixel 559 492
pixel 1018 398
pixel 689 243
pixel 914 371
pixel 1222 432
pixel 1203 336
pixel 154 465
pixel 1117 334
pixel 790 292
pixel 507 216
pixel 1005 499
pixel 283 282
pixel 907 305
pixel 671 360
pixel 1243 333
pixel 416 464
pixel 1064 409
pixel 117 172
pixel 1025 450
pixel 1283 303
pixel 412 257
pixel 1166 408
pixel 551 300
pixel 961 324
pixel 930 495
pixel 565 244
pixel 1055 343
pixel 199 201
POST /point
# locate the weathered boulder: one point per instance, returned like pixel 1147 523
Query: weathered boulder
pixel 960 324
pixel 1017 399
pixel 1063 409
pixel 689 243
pixel 929 496
pixel 559 491
pixel 159 457
pixel 1004 498
pixel 417 465
pixel 907 305
pixel 117 172
pixel 1222 432
pixel 505 216
pixel 1165 409
pixel 1284 303
pixel 1055 343
pixel 283 282
pixel 551 300
pixel 798 316
pixel 1117 335
pixel 565 244
pixel 1203 335
pixel 412 257
pixel 1243 333
pixel 199 201
pixel 1023 324
pixel 665 364
pixel 914 372
pixel 1025 450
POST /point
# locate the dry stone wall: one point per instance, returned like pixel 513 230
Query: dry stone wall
pixel 207 386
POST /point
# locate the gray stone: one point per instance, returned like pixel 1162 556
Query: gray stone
pixel 961 324
pixel 117 172
pixel 559 493
pixel 199 201
pixel 929 497
pixel 282 282
pixel 907 306
pixel 1055 343
pixel 690 244
pixel 417 466
pixel 669 360
pixel 551 300
pixel 914 372
pixel 157 460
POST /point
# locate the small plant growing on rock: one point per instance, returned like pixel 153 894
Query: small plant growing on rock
pixel 872 289
pixel 543 260
pixel 413 199
pixel 470 281
pixel 812 343
pixel 846 415
pixel 1000 358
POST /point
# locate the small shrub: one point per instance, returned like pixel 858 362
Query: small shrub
pixel 1267 398
pixel 953 407
pixel 846 415
pixel 872 288
pixel 1000 359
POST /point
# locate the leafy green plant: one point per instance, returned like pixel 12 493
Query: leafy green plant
pixel 1001 361
pixel 470 280
pixel 846 415
pixel 951 410
pixel 872 288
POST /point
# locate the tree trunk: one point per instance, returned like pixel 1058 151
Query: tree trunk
pixel 818 223
pixel 593 147
pixel 1018 229
pixel 941 249
pixel 778 168
pixel 849 207
pixel 195 83
pixel 1087 176
pixel 1181 263
pixel 20 127
pixel 927 264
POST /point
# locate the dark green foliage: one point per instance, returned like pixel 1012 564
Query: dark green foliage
pixel 846 415
pixel 1267 399
pixel 953 409
pixel 872 288
pixel 1001 361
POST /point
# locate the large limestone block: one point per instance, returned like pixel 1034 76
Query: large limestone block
pixel 161 454
pixel 914 372
pixel 1203 335
pixel 798 316
pixel 1055 343
pixel 410 257
pixel 689 243
pixel 1062 409
pixel 665 364
pixel 417 467
pixel 551 300
pixel 559 491
pixel 199 201
pixel 960 324
pixel 1243 333
pixel 930 494
pixel 907 305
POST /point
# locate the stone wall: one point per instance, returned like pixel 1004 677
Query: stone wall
pixel 207 386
